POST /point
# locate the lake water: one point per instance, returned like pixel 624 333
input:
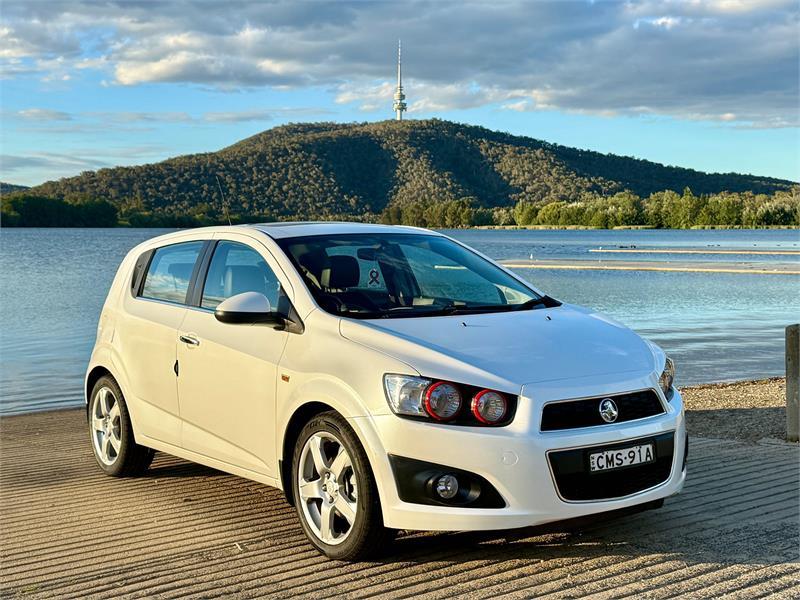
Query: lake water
pixel 717 327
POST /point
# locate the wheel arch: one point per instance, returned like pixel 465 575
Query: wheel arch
pixel 92 377
pixel 302 415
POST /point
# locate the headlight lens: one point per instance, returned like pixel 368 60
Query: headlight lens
pixel 406 394
pixel 489 407
pixel 667 378
pixel 442 401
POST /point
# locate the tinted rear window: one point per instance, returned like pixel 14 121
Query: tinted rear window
pixel 170 272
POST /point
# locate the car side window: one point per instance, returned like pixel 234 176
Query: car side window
pixel 170 272
pixel 236 268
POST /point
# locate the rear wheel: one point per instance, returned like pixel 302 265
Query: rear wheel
pixel 335 493
pixel 111 432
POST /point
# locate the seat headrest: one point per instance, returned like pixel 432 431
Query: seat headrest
pixel 244 278
pixel 312 264
pixel 181 271
pixel 340 273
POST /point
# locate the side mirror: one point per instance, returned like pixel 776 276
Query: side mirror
pixel 248 308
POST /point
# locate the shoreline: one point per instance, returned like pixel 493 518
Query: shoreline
pixel 750 268
pixel 630 227
pixel 748 411
pixel 471 227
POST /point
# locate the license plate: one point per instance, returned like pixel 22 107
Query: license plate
pixel 608 460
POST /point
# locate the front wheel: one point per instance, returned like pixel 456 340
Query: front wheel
pixel 334 490
pixel 111 432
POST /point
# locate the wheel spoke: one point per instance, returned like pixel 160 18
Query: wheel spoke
pixel 346 508
pixel 326 522
pixel 310 490
pixel 105 445
pixel 115 442
pixel 340 463
pixel 97 424
pixel 105 401
pixel 316 453
pixel 114 412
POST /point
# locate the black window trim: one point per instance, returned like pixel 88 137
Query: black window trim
pixel 140 272
pixel 195 292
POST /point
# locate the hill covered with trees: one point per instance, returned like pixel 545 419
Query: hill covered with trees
pixel 8 188
pixel 432 172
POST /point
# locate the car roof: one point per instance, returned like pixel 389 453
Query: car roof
pixel 291 229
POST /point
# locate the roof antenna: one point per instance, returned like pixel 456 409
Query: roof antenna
pixel 224 204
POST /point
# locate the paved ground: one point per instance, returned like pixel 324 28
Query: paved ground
pixel 68 531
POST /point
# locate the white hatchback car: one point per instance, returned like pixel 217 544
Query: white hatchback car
pixel 384 377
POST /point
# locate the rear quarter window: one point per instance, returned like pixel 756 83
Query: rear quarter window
pixel 170 272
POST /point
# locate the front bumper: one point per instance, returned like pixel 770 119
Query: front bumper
pixel 514 459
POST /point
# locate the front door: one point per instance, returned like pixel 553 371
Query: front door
pixel 228 373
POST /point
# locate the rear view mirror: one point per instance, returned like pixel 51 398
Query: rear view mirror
pixel 247 308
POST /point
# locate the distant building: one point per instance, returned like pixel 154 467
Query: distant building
pixel 399 106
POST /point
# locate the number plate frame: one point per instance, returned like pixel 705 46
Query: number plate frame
pixel 613 459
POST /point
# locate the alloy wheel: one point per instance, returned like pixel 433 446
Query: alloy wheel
pixel 327 488
pixel 106 426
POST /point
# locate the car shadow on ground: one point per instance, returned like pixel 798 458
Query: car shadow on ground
pixel 654 532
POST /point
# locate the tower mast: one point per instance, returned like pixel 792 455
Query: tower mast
pixel 399 106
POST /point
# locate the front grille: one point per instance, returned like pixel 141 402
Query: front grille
pixel 576 482
pixel 586 413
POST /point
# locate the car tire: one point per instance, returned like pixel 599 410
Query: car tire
pixel 333 481
pixel 111 432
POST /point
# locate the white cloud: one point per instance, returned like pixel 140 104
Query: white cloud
pixel 51 161
pixel 44 114
pixel 238 116
pixel 98 121
pixel 679 58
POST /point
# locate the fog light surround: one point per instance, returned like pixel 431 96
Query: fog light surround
pixel 421 482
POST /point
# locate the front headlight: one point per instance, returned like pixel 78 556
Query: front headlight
pixel 667 378
pixel 447 402
pixel 406 394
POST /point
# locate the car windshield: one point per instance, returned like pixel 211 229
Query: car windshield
pixel 403 275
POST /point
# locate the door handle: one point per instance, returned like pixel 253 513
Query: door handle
pixel 189 339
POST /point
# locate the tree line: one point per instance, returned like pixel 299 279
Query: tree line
pixel 661 210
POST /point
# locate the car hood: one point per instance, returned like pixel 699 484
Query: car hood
pixel 508 349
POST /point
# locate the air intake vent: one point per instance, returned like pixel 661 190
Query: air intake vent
pixel 573 414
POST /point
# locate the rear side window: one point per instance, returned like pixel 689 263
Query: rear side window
pixel 170 272
pixel 235 269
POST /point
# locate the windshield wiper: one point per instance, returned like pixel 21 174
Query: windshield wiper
pixel 399 312
pixel 532 303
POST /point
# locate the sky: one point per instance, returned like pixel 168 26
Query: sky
pixel 711 85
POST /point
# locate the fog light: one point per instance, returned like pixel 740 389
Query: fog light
pixel 447 487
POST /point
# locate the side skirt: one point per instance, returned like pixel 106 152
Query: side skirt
pixel 208 461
